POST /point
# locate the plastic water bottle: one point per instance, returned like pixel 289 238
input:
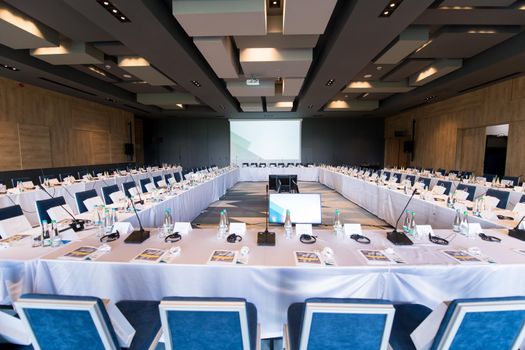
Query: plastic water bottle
pixel 114 218
pixel 412 227
pixel 107 222
pixel 456 227
pixel 57 240
pixel 46 236
pixel 338 226
pixel 167 225
pixel 288 228
pixel 227 220
pixel 464 228
pixel 223 228
pixel 406 222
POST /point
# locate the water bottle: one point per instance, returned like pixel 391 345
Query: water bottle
pixel 412 227
pixel 46 236
pixel 227 220
pixel 464 228
pixel 338 226
pixel 114 218
pixel 406 222
pixel 223 228
pixel 167 225
pixel 288 228
pixel 456 227
pixel 57 240
pixel 107 222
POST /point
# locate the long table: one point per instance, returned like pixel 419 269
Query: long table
pixel 27 199
pixel 387 204
pixel 271 279
pixel 261 174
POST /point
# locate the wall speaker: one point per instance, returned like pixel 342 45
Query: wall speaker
pixel 129 149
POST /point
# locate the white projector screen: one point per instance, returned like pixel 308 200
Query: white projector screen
pixel 264 141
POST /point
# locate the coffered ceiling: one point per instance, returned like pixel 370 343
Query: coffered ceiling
pixel 262 58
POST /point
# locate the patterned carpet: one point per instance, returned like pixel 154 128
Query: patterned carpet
pixel 245 202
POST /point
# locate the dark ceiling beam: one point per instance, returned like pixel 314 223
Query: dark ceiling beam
pixel 154 34
pixel 357 36
pixel 502 61
pixel 481 17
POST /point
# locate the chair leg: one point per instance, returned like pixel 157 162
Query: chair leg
pixel 286 338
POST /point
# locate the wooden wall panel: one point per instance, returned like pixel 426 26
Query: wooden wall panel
pixel 440 128
pixel 471 149
pixel 57 130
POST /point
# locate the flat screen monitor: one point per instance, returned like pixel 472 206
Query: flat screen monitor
pixel 305 208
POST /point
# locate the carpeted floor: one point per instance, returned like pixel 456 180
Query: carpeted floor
pixel 245 202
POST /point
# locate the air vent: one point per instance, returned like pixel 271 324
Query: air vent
pixel 67 86
pixel 494 81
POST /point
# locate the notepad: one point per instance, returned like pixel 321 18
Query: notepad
pixel 461 256
pixel 375 256
pixel 81 253
pixel 307 258
pixel 13 240
pixel 228 257
pixel 150 255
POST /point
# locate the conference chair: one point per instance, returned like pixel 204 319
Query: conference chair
pixel 387 175
pixel 143 183
pixel 156 180
pixel 42 206
pixel 167 178
pixel 442 171
pixel 466 174
pixel 446 184
pixel 514 179
pixel 178 177
pixel 474 324
pixel 489 177
pixel 16 180
pixel 273 164
pixel 82 173
pixel 82 322
pixel 63 176
pixel 425 181
pixel 280 165
pixel 429 169
pixel 398 177
pixel 12 221
pixel 126 186
pixel 522 200
pixel 81 197
pixel 331 323
pixel 43 178
pixel 284 184
pixel 111 194
pixel 290 165
pixel 471 190
pixel 262 165
pixel 209 323
pixel 411 178
pixel 254 164
pixel 298 164
pixel 503 197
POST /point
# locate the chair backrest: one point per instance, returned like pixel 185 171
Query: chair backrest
pixel 329 323
pixel 178 177
pixel 62 176
pixel 515 179
pixel 126 186
pixel 398 177
pixel 42 206
pixel 442 171
pixel 192 323
pixel 489 177
pixel 156 180
pixel 503 197
pixel 12 221
pixel 468 188
pixel 167 177
pixel 107 191
pixel 10 212
pixel 67 322
pixel 143 183
pixel 522 200
pixel 80 197
pixel 273 164
pixel 425 181
pixel 14 181
pixel 387 175
pixel 487 323
pixel 446 184
pixel 411 178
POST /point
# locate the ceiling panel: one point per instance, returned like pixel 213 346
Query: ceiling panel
pixel 477 3
pixel 140 87
pixel 307 16
pixel 113 48
pixel 292 86
pixel 377 86
pixel 69 52
pixel 407 42
pixel 278 41
pixel 450 42
pixel 220 54
pixel 239 88
pixel 489 16
pixel 270 62
pixel 96 72
pixel 222 18
pixel 167 100
pixel 406 69
pixel 435 71
pixel 141 68
pixel 280 106
pixel 252 107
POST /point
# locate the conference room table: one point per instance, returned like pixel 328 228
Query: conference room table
pixel 272 280
pixel 388 204
pixel 249 174
pixel 27 199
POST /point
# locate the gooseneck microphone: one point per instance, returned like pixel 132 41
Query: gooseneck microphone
pixel 516 232
pixel 266 238
pixel 137 236
pixel 140 201
pixel 396 237
pixel 76 224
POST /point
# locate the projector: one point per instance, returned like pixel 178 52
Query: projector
pixel 252 82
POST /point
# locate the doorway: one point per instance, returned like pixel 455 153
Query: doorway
pixel 496 150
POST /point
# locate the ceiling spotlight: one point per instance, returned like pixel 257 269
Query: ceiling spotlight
pixel 367 76
pixel 430 98
pixel 179 105
pixel 365 95
pixel 196 83
pixel 275 4
pixel 390 8
pixel 330 82
pixel 110 99
pixel 96 70
pixel 127 76
pixel 113 10
pixel 10 68
pixel 379 67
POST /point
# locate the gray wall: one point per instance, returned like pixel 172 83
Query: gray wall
pixel 355 141
pixel 194 142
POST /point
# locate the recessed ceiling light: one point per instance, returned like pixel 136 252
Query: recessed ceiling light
pixel 96 70
pixel 107 66
pixel 179 105
pixel 196 83
pixel 106 3
pixel 330 82
pixel 127 76
pixel 367 76
pixel 393 4
pixel 113 10
pixel 424 45
pixel 365 95
pixel 456 8
pixel 275 4
pixel 14 69
pixel 390 8
pixel 482 31
pixel 379 67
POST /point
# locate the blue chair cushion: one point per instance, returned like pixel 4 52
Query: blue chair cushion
pixel 127 186
pixel 144 317
pixel 406 319
pixel 82 196
pixel 106 191
pixel 471 190
pixel 213 328
pixel 503 197
pixel 10 212
pixel 44 205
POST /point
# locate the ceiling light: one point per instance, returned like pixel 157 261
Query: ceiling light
pixel 379 67
pixel 430 98
pixel 107 66
pixel 482 32
pixel 365 95
pixel 96 70
pixel 196 83
pixel 110 99
pixel 127 76
pixel 113 10
pixel 367 76
pixel 424 45
pixel 390 8
pixel 330 82
pixel 275 4
pixel 252 82
pixel 456 8
pixel 5 66
pixel 179 105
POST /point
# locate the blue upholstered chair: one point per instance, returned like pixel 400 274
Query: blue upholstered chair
pixel 411 178
pixel 473 324
pixel 425 181
pixel 15 180
pixel 209 323
pixel 442 171
pixel 446 184
pixel 429 169
pixel 489 177
pixel 80 197
pixel 44 205
pixel 398 177
pixel 143 183
pixel 503 197
pixel 107 191
pixel 126 186
pixel 74 322
pixel 522 200
pixel 167 177
pixel 178 176
pixel 338 324
pixel 471 190
pixel 515 179
pixel 10 213
pixel 156 180
pixel 387 175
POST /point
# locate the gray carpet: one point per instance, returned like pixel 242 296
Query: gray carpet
pixel 245 202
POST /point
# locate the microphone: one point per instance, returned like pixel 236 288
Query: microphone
pixel 266 238
pixel 516 232
pixel 77 224
pixel 396 237
pixel 137 236
pixel 140 201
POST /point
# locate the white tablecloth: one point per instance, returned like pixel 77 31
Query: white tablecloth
pixel 262 174
pixel 388 204
pixel 272 281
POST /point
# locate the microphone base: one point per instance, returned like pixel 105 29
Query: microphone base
pixel 398 238
pixel 137 237
pixel 518 234
pixel 266 238
pixel 77 225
